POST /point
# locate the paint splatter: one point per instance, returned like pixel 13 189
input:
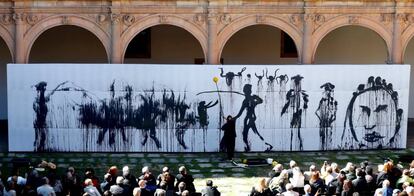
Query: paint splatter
pixel 296 103
pixel 326 114
pixel 372 116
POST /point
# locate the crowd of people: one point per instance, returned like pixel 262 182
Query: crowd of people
pixel 364 179
pixel 330 179
pixel 44 181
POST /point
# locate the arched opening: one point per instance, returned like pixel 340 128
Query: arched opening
pixel 164 44
pixel 352 45
pixel 5 58
pixel 260 44
pixel 67 44
pixel 409 59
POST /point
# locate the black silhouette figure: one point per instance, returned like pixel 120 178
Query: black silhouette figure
pixel 230 75
pixel 249 104
pixel 111 117
pixel 183 120
pixel 41 110
pixel 282 79
pixel 294 99
pixel 202 112
pixel 271 78
pixel 373 117
pixel 149 111
pixel 326 114
pixel 259 77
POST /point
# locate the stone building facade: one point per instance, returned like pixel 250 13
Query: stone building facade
pixel 211 22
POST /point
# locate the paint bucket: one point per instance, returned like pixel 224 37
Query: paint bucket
pixel 269 161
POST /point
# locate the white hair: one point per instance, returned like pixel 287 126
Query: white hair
pixel 145 169
pixel 119 180
pixel 125 170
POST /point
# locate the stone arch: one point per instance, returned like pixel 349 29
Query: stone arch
pixel 342 21
pixel 406 37
pixel 154 20
pixel 8 39
pixel 227 32
pixel 45 24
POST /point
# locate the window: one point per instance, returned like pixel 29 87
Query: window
pixel 140 46
pixel 287 46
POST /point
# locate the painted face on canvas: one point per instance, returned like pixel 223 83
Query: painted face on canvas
pixel 374 117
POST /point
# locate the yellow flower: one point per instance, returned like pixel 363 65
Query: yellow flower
pixel 215 79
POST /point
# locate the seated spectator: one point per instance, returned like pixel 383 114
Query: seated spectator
pixel 404 178
pixel 277 184
pixel 90 189
pixel 185 193
pixel 308 174
pixel 151 182
pixel 130 182
pixel 260 189
pixel 113 170
pixel 276 171
pixel 347 189
pixel 210 190
pixel 141 190
pixel 292 164
pixel 316 183
pixel 162 189
pixel 107 183
pixel 289 191
pixel 188 179
pixel 386 188
pixel 360 183
pixel 297 180
pixel 90 174
pixel 307 189
pixel 181 188
pixel 72 184
pixel 117 189
pixel 45 189
pixel 167 177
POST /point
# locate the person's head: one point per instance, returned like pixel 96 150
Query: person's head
pixel 314 176
pixel 163 185
pixel 359 172
pixel 45 180
pixel 125 170
pixel 107 177
pixel 247 89
pixel 405 185
pixel 71 170
pixel 185 193
pixel 335 167
pixel 136 192
pixel 145 170
pixel 209 183
pixel 369 170
pixel 166 176
pixel 406 172
pixel 289 187
pixel 379 192
pixel 113 170
pixel 312 168
pixel 181 186
pixel 278 167
pixel 229 117
pixel 292 164
pixel 386 184
pixel 88 182
pixel 165 169
pixel 373 116
pixel 182 170
pixel 261 185
pixel 119 180
pixel 387 167
pixel 142 183
pixel 396 192
pixel 307 188
pixel 329 170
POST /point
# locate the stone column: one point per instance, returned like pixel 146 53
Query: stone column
pixel 307 45
pixel 19 53
pixel 396 54
pixel 116 51
pixel 212 51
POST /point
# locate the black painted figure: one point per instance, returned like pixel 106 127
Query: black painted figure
pixel 229 136
pixel 249 104
pixel 271 78
pixel 149 112
pixel 230 75
pixel 326 114
pixel 202 112
pixel 373 119
pixel 41 110
pixel 296 103
pixel 183 120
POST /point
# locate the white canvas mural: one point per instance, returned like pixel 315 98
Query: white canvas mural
pixel 179 108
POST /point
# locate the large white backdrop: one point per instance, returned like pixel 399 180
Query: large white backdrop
pixel 177 108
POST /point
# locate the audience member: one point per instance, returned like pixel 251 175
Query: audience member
pixel 210 190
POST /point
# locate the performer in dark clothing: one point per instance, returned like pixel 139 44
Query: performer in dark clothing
pixel 229 137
